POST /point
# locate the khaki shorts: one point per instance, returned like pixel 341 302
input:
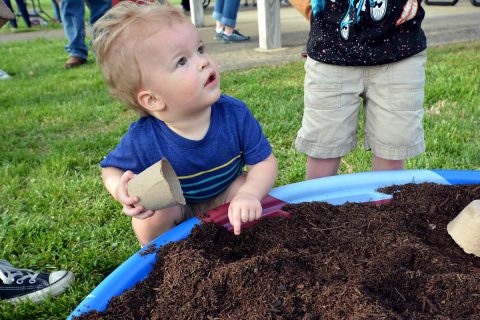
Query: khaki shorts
pixel 191 210
pixel 393 103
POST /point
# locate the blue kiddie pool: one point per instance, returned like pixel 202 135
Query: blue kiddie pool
pixel 359 187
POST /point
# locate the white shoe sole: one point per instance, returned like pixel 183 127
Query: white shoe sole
pixel 54 289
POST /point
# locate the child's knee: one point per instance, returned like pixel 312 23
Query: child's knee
pixel 149 229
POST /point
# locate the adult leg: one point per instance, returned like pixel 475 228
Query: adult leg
pixel 225 15
pixel 217 15
pixel 56 10
pixel 73 13
pixel 22 7
pixel 229 14
pixel 98 9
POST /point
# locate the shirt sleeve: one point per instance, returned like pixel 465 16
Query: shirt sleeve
pixel 124 156
pixel 256 146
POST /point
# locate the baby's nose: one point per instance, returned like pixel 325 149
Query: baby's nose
pixel 202 63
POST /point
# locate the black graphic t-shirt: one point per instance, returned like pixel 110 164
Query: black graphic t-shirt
pixel 365 32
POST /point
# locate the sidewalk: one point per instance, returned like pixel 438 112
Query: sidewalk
pixel 442 24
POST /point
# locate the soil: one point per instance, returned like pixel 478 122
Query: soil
pixel 356 261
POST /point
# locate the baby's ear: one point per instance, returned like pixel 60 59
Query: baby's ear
pixel 150 102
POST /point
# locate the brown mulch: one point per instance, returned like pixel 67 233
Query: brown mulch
pixel 357 261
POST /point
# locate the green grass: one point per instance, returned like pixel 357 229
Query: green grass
pixel 56 126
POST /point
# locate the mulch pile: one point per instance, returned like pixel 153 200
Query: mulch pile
pixel 358 261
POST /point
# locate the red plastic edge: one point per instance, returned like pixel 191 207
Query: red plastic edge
pixel 272 207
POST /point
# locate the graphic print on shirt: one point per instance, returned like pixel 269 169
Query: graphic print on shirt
pixel 351 17
pixel 366 32
pixel 318 6
pixel 378 8
pixel 409 12
pixel 377 11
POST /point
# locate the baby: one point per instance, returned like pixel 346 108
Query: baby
pixel 154 61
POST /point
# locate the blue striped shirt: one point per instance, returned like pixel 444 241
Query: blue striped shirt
pixel 204 167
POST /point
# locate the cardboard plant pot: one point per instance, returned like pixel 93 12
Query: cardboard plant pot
pixel 465 228
pixel 157 187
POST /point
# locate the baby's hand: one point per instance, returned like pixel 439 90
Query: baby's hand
pixel 128 202
pixel 244 207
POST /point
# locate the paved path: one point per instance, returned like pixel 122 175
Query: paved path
pixel 442 24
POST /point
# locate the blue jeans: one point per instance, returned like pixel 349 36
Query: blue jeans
pixel 56 10
pixel 226 11
pixel 23 10
pixel 73 13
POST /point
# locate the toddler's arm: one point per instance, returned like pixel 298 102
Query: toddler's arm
pixel 303 6
pixel 116 182
pixel 245 205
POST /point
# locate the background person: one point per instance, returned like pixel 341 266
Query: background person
pixel 73 15
pixel 225 14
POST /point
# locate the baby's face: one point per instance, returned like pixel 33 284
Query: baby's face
pixel 176 67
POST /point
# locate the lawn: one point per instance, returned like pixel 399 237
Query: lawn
pixel 58 124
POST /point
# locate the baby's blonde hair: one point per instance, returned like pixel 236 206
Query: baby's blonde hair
pixel 116 37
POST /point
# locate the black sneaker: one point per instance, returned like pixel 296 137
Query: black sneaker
pixel 235 37
pixel 18 285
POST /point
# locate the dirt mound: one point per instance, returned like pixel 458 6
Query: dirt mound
pixel 389 261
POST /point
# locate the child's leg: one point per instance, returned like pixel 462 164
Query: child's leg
pixel 148 229
pixel 332 96
pixel 319 168
pixel 394 112
pixel 380 164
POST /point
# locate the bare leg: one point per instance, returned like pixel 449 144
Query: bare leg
pixel 218 26
pixel 228 30
pixel 318 168
pixel 380 164
pixel 148 229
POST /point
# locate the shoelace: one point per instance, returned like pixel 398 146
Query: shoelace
pixel 8 277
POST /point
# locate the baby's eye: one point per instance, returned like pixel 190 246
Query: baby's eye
pixel 201 49
pixel 182 61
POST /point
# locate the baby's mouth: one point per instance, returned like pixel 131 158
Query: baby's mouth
pixel 211 78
